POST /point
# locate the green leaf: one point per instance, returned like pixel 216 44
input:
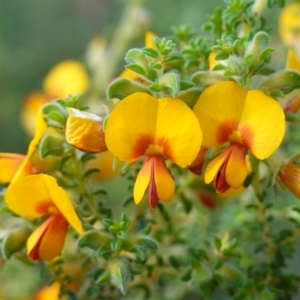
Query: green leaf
pixel 87 157
pixel 187 275
pixel 150 52
pixel 208 78
pixel 136 69
pixel 100 191
pixel 52 145
pixel 173 57
pixel 170 83
pixel 124 87
pixel 90 172
pixel 189 96
pixel 174 261
pixel 120 273
pixel 218 243
pixel 94 240
pixel 143 241
pixel 15 241
pixel 284 81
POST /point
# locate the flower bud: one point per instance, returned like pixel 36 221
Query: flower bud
pixel 85 131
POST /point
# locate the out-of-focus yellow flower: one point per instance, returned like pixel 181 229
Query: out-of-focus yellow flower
pixel 49 293
pixel 104 161
pixel 289 25
pixel 289 175
pixel 242 120
pixel 293 102
pixel 39 195
pixel 141 125
pixel 212 62
pixel 67 77
pixel 85 131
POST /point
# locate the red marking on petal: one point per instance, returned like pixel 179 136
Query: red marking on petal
pixel 224 131
pixel 34 253
pixel 43 207
pixel 141 145
pixel 247 136
pixel 152 191
pixel 165 144
pixel 220 182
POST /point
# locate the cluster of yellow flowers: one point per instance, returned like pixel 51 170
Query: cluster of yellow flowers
pixel 215 138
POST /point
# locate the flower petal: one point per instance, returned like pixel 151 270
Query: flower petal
pixel 262 124
pixel 130 128
pixel 292 61
pixel 165 185
pixel 149 39
pixel 47 241
pixel 62 202
pixel 142 180
pixel 35 195
pixel 290 177
pixel 213 167
pixel 142 124
pixel 177 131
pixel 219 110
pixel 28 197
pixel 236 169
pixel 85 131
pixel 67 77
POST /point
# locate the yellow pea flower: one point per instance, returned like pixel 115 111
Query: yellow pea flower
pixel 245 120
pixel 67 77
pixel 141 125
pixel 39 195
pixel 289 175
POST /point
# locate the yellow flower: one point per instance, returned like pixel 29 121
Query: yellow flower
pixel 84 131
pixel 141 125
pixel 104 161
pixel 39 195
pixel 289 175
pixel 67 77
pixel 289 25
pixel 240 120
